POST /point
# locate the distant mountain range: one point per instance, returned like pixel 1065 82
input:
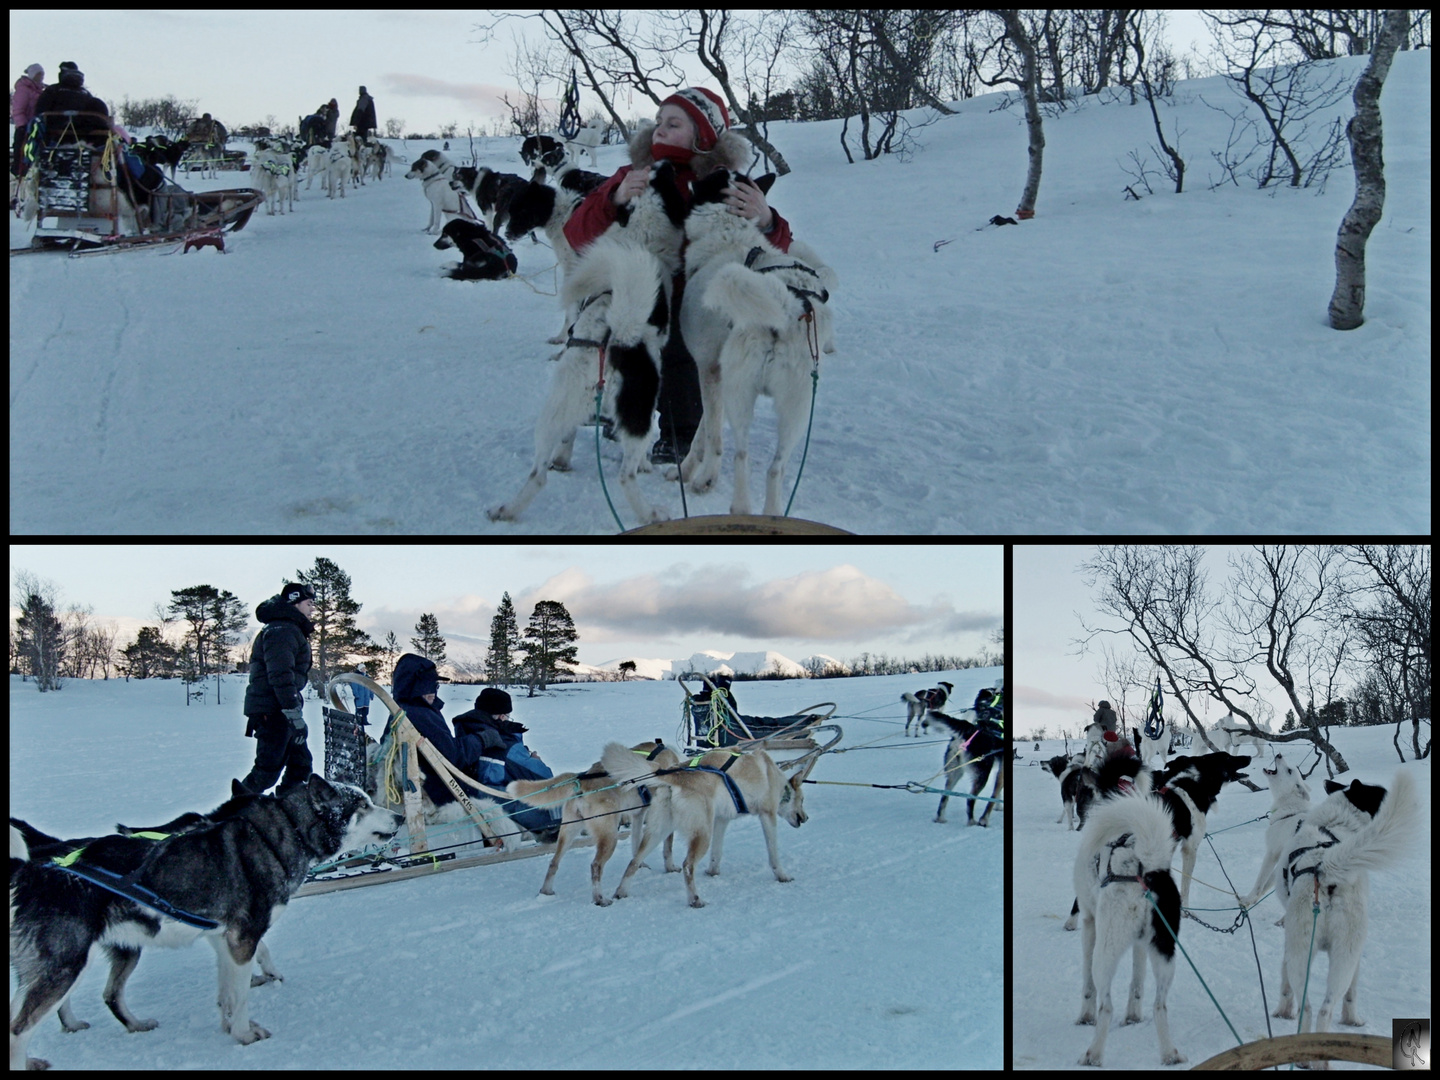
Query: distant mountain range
pixel 710 662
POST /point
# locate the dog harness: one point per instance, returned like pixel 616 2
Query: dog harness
pixel 693 765
pixel 1123 840
pixel 1296 874
pixel 805 295
pixel 124 885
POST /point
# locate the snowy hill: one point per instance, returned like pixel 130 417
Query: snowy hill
pixel 1160 366
pixel 884 952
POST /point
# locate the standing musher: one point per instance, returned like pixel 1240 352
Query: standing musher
pixel 279 668
pixel 363 696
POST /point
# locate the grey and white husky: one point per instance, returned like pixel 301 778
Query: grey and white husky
pixel 239 873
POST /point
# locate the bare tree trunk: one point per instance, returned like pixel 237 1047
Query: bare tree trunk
pixel 1347 303
pixel 1016 30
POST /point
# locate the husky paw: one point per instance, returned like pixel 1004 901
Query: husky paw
pixel 697 902
pixel 1172 1057
pixel 261 980
pixel 36 1063
pixel 1089 1059
pixel 500 513
pixel 255 1034
pixel 142 1025
pixel 783 877
pixel 600 901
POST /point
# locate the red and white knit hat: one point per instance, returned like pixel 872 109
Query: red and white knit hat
pixel 705 110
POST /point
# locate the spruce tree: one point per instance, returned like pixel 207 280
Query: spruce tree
pixel 548 642
pixel 504 641
pixel 429 644
pixel 337 642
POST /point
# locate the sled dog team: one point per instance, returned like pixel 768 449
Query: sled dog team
pixel 227 875
pixel 1134 819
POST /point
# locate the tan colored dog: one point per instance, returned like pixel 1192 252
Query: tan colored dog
pixel 701 805
pixel 595 804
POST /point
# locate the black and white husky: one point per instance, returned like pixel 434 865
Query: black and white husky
pixel 918 703
pixel 750 316
pixel 620 287
pixel 435 172
pixel 1125 852
pixel 238 873
pixel 1187 790
pixel 1326 862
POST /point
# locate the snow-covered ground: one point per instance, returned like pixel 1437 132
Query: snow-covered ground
pixel 1394 974
pixel 884 952
pixel 1111 366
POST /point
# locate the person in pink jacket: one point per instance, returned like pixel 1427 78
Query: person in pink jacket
pixel 22 111
pixel 692 131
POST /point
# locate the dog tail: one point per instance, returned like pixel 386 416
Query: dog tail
pixel 632 277
pixel 751 299
pixel 1386 840
pixel 1148 822
pixel 547 793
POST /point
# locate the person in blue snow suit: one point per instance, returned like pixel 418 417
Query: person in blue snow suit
pixel 363 696
pixel 491 749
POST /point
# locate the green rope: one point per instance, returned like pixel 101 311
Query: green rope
pixel 599 467
pixel 1239 1041
pixel 1314 922
pixel 814 389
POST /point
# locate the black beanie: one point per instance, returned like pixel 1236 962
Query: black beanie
pixel 493 701
pixel 293 593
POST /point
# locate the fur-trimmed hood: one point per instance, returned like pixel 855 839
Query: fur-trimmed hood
pixel 732 151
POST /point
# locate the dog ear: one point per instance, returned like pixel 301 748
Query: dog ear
pixel 765 183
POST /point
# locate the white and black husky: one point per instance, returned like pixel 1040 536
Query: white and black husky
pixel 1187 790
pixel 918 703
pixel 1326 862
pixel 1291 802
pixel 1125 852
pixel 435 172
pixel 238 873
pixel 750 317
pixel 620 287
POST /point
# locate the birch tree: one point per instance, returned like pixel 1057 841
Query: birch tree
pixel 1347 303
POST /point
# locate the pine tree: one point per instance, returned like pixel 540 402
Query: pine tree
pixel 504 641
pixel 548 642
pixel 149 656
pixel 390 654
pixel 429 644
pixel 42 640
pixel 215 616
pixel 338 642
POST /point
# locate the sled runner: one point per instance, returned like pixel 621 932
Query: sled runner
pixel 85 195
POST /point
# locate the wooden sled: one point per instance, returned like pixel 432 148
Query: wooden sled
pixel 412 756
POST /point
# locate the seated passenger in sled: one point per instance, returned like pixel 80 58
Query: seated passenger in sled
pixel 490 747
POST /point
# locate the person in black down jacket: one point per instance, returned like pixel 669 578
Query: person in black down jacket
pixel 279 666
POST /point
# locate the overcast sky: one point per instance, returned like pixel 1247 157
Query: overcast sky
pixel 651 602
pixel 426 67
pixel 1055 687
